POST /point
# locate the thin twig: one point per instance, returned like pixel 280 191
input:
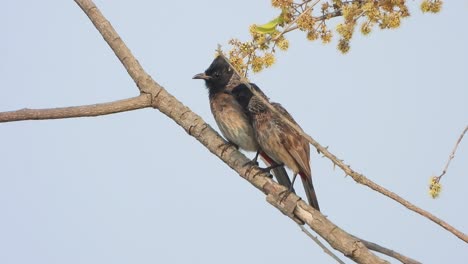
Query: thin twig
pixel 286 29
pixel 452 155
pixel 370 245
pixel 321 245
pixel 319 18
pixel 359 178
pixel 248 61
pixel 388 252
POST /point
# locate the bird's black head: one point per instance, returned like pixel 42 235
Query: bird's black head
pixel 217 76
pixel 243 95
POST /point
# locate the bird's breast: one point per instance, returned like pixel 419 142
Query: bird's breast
pixel 233 122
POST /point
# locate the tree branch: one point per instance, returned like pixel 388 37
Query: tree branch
pixel 359 178
pixel 452 155
pixel 134 103
pixel 195 126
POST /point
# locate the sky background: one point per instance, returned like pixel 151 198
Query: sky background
pixel 134 188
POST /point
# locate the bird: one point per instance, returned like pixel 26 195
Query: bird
pixel 230 117
pixel 277 139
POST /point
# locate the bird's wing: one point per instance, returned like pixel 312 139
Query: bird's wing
pixel 297 146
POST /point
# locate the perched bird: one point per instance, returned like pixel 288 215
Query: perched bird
pixel 230 117
pixel 277 139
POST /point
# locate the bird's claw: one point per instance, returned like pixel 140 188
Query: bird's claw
pixel 251 163
pixel 263 170
pixel 284 195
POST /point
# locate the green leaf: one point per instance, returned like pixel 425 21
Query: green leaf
pixel 269 27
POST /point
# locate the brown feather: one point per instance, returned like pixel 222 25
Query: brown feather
pixel 282 143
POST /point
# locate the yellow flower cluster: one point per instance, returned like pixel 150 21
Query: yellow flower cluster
pixel 305 22
pixel 345 30
pixel 325 34
pixel 351 11
pixel 389 13
pixel 281 3
pixel 432 6
pixel 337 3
pixel 391 20
pixel 385 13
pixel 236 58
pixel 312 35
pixel 366 28
pixel 259 62
pixel 269 59
pixel 371 10
pixel 282 43
pixel 258 53
pixel 434 187
pixel 343 45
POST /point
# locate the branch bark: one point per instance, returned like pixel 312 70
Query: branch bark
pixel 134 103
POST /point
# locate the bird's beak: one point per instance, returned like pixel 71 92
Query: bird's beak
pixel 202 76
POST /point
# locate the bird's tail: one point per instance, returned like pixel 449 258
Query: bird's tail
pixel 310 191
pixel 280 173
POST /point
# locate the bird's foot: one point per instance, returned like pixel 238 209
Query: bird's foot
pixel 261 172
pixel 251 163
pixel 284 194
pixel 274 166
pixel 268 170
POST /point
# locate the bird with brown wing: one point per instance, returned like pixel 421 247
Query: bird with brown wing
pixel 277 139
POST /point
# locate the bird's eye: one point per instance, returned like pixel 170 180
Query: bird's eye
pixel 217 74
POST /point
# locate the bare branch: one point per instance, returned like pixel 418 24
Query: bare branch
pixel 359 178
pixel 321 245
pixel 452 155
pixel 134 103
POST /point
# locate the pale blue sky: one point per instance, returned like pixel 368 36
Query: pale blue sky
pixel 134 188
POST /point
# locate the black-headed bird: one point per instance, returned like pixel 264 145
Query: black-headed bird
pixel 230 117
